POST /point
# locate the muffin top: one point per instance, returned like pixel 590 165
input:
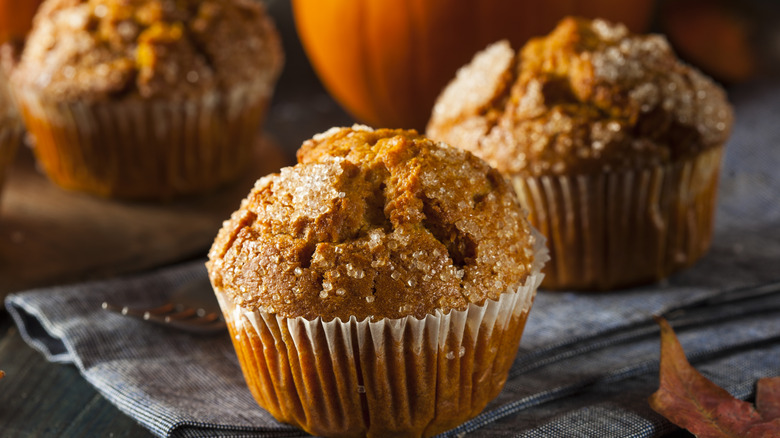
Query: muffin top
pixel 373 224
pixel 100 49
pixel 589 97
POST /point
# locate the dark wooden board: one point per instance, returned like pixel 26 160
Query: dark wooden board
pixel 44 399
pixel 52 236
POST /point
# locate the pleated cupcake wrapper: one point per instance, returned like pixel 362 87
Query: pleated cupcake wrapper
pixel 391 377
pixel 137 148
pixel 622 228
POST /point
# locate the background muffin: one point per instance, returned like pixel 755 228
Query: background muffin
pixel 380 253
pixel 611 142
pixel 146 98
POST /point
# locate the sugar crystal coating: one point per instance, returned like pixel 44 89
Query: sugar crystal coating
pixel 589 97
pixel 374 224
pixel 93 49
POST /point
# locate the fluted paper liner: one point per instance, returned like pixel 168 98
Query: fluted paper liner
pixel 137 148
pixel 622 228
pixel 391 377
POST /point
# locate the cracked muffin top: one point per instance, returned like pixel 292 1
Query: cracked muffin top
pixel 373 224
pixel 98 49
pixel 589 97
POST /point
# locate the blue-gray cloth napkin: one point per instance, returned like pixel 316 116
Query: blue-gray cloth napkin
pixel 586 365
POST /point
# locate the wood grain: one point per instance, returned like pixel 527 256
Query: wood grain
pixel 40 398
pixel 51 236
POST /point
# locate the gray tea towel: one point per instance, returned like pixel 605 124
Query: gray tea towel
pixel 586 365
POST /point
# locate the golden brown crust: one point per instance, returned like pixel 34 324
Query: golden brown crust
pixel 589 97
pixel 98 49
pixel 379 224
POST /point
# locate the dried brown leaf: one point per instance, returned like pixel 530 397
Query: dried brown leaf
pixel 690 400
pixel 768 397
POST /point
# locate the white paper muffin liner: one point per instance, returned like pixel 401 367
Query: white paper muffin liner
pixel 391 377
pixel 617 229
pixel 135 148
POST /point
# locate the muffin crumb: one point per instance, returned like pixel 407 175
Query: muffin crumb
pixel 589 97
pixel 96 49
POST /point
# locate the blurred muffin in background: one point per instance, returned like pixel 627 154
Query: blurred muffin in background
pixel 146 99
pixel 611 142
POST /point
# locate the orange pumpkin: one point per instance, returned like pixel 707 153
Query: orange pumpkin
pixel 386 61
pixel 16 18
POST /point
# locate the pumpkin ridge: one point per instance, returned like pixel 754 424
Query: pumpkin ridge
pixel 361 32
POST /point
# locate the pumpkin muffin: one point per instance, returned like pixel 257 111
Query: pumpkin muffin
pixel 379 287
pixel 611 142
pixel 146 98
